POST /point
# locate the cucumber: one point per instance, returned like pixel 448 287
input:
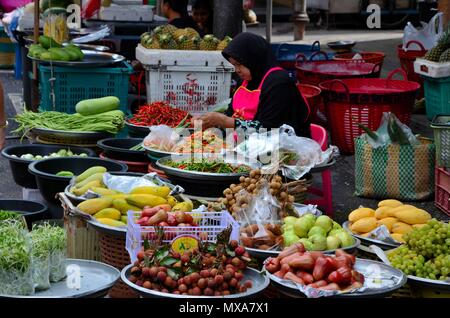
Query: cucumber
pixel 97 105
pixel 47 42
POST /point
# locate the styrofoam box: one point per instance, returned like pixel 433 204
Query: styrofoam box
pixel 431 69
pixel 182 58
pixel 126 13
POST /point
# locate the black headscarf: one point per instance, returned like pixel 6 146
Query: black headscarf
pixel 254 52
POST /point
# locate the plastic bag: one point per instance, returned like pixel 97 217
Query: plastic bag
pixel 428 35
pixel 388 133
pixel 40 258
pixel 161 137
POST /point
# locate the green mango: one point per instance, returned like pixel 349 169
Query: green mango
pixel 73 55
pixel 46 56
pixel 75 49
pixel 47 42
pixel 61 54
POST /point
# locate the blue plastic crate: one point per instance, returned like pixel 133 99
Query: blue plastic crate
pixel 72 85
pixel 437 96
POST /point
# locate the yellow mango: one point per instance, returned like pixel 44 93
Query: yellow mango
pixel 80 191
pixel 390 202
pixel 413 216
pixel 360 213
pixel 171 201
pixel 108 213
pixel 365 234
pixel 124 219
pixel 117 196
pixel 97 176
pixel 388 222
pixel 398 237
pixel 94 205
pixel 364 225
pixel 162 192
pixel 123 206
pixel 111 222
pixel 185 206
pixel 383 212
pixel 143 200
pixel 401 228
pixel 90 172
pixel 103 191
pixel 418 226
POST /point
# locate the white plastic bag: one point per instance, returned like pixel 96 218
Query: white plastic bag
pixel 428 35
pixel 162 138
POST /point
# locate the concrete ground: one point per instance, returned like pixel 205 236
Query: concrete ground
pixel 343 173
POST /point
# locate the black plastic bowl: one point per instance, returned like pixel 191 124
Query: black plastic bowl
pixel 49 184
pixel 119 149
pixel 19 167
pixel 31 210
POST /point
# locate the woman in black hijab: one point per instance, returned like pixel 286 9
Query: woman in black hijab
pixel 268 97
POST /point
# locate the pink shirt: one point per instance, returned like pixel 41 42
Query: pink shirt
pixel 11 5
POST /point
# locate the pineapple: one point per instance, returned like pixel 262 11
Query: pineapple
pixel 191 33
pixel 167 42
pixel 445 57
pixel 224 43
pixel 185 43
pixel 166 29
pixel 443 44
pixel 152 44
pixel 179 32
pixel 209 43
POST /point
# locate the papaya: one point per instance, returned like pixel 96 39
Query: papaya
pixel 111 222
pixel 390 202
pixel 360 213
pixel 401 228
pixel 143 200
pixel 364 225
pixel 108 213
pixel 413 216
pixel 93 206
pixel 162 192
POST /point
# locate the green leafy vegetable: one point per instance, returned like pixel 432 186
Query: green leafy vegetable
pixel 208 166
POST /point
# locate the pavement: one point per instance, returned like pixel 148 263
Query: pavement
pixel 342 173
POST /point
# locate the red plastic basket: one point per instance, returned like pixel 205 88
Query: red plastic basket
pixel 352 101
pixel 443 190
pixel 316 72
pixel 368 57
pixel 407 58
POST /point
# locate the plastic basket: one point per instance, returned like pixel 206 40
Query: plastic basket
pixel 441 127
pixel 209 223
pixel 352 101
pixel 316 72
pixel 312 95
pixel 368 57
pixel 286 53
pixel 407 58
pixel 443 190
pixel 72 85
pixel 437 96
pixel 133 166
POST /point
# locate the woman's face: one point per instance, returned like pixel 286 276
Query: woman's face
pixel 200 16
pixel 242 71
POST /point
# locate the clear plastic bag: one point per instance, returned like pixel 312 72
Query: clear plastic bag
pixel 161 137
pixel 57 265
pixel 428 35
pixel 40 257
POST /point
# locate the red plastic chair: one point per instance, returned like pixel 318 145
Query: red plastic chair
pixel 325 199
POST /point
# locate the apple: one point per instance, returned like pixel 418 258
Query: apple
pixel 290 220
pixel 336 226
pixel 302 226
pixel 335 231
pixel 324 222
pixel 333 243
pixel 345 238
pixel 319 242
pixel 317 230
pixel 307 244
pixel 290 238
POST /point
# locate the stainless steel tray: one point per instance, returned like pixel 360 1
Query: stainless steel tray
pixel 195 175
pixel 95 279
pixel 263 254
pixel 51 133
pixel 362 266
pixel 260 282
pixel 106 229
pixel 369 241
pixel 91 59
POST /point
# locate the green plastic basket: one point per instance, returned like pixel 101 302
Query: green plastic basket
pixel 441 127
pixel 437 96
pixel 72 85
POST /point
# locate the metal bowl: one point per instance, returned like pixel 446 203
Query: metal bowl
pixel 363 266
pixel 63 134
pixel 91 59
pixel 260 282
pixel 368 241
pixel 341 46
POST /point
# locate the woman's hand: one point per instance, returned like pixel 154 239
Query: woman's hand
pixel 215 120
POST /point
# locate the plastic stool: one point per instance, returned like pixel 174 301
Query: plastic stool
pixel 325 200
